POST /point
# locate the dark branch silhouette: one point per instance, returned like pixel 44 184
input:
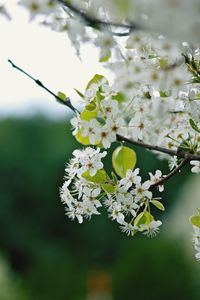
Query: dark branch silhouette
pixel 99 24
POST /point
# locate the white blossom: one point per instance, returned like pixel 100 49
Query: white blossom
pixel 151 229
pixel 130 179
pixel 91 129
pixel 196 241
pixel 196 164
pixel 154 179
pixel 141 191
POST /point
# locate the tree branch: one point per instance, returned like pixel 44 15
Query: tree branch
pixel 181 154
pixel 67 102
pixel 98 23
pixel 171 174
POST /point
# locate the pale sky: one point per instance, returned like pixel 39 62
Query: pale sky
pixel 48 56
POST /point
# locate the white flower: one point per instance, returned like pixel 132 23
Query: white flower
pixel 76 32
pixel 117 125
pixel 196 241
pixel 117 214
pixel 128 228
pixel 138 126
pixel 90 93
pixel 105 41
pixel 141 191
pixel 71 170
pixel 130 179
pixel 196 164
pixel 106 136
pixel 91 195
pixel 90 160
pixel 109 107
pixel 79 185
pixel 128 204
pixel 66 197
pixel 156 178
pixel 89 209
pixel 107 91
pixel 39 6
pixel 73 213
pixel 172 162
pixel 76 123
pixel 91 130
pixel 197 54
pixel 151 229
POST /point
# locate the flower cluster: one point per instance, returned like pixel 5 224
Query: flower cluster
pixel 127 200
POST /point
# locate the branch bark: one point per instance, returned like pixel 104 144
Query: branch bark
pixel 171 174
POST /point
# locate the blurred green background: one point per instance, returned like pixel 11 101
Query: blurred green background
pixel 45 256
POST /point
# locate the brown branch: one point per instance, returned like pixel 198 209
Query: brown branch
pixel 98 23
pixel 171 174
pixel 67 102
pixel 181 154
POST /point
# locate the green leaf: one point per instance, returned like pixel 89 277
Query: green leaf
pixel 143 218
pixel 123 159
pixel 88 114
pixel 164 94
pixel 158 204
pixel 109 188
pixel 194 125
pixel 195 220
pixel 119 97
pixel 96 79
pixel 99 177
pixel 82 140
pixel 114 177
pixel 79 93
pixel 105 56
pixel 62 96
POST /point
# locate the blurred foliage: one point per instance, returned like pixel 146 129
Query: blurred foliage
pixel 49 255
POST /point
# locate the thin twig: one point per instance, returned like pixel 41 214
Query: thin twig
pixel 171 174
pixel 67 102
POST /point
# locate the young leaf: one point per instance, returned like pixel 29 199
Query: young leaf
pixel 88 114
pixel 79 93
pixel 105 56
pixel 99 177
pixel 195 220
pixel 158 204
pixel 194 125
pixel 143 218
pixel 96 79
pixel 119 97
pixel 81 139
pixel 123 159
pixel 109 188
pixel 62 96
